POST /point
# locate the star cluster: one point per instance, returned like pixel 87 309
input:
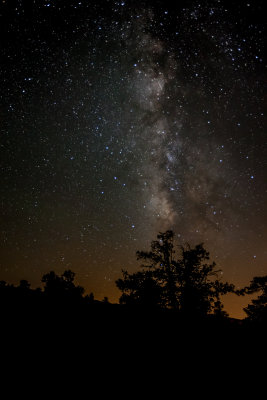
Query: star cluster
pixel 121 119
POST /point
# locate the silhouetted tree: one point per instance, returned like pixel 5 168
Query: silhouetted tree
pixel 257 310
pixel 24 284
pixel 199 288
pixel 105 300
pixel 140 289
pixel 188 283
pixel 90 298
pixel 62 287
pixel 163 272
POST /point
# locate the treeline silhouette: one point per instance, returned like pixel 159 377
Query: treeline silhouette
pixel 174 287
pixel 170 315
pixel 60 300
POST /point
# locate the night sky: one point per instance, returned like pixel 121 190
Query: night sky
pixel 120 119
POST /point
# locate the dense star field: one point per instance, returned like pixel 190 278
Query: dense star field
pixel 120 119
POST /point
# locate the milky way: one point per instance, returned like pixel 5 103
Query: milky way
pixel 120 120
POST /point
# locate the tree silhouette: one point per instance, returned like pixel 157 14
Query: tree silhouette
pixel 24 284
pixel 188 283
pixel 105 300
pixel 257 311
pixel 199 288
pixel 140 289
pixel 162 269
pixel 90 298
pixel 62 287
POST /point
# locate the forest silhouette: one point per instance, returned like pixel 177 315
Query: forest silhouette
pixel 169 322
pixel 174 287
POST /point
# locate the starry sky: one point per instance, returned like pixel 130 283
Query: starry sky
pixel 120 119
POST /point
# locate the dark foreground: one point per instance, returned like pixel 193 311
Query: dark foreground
pixel 115 350
pixel 122 328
